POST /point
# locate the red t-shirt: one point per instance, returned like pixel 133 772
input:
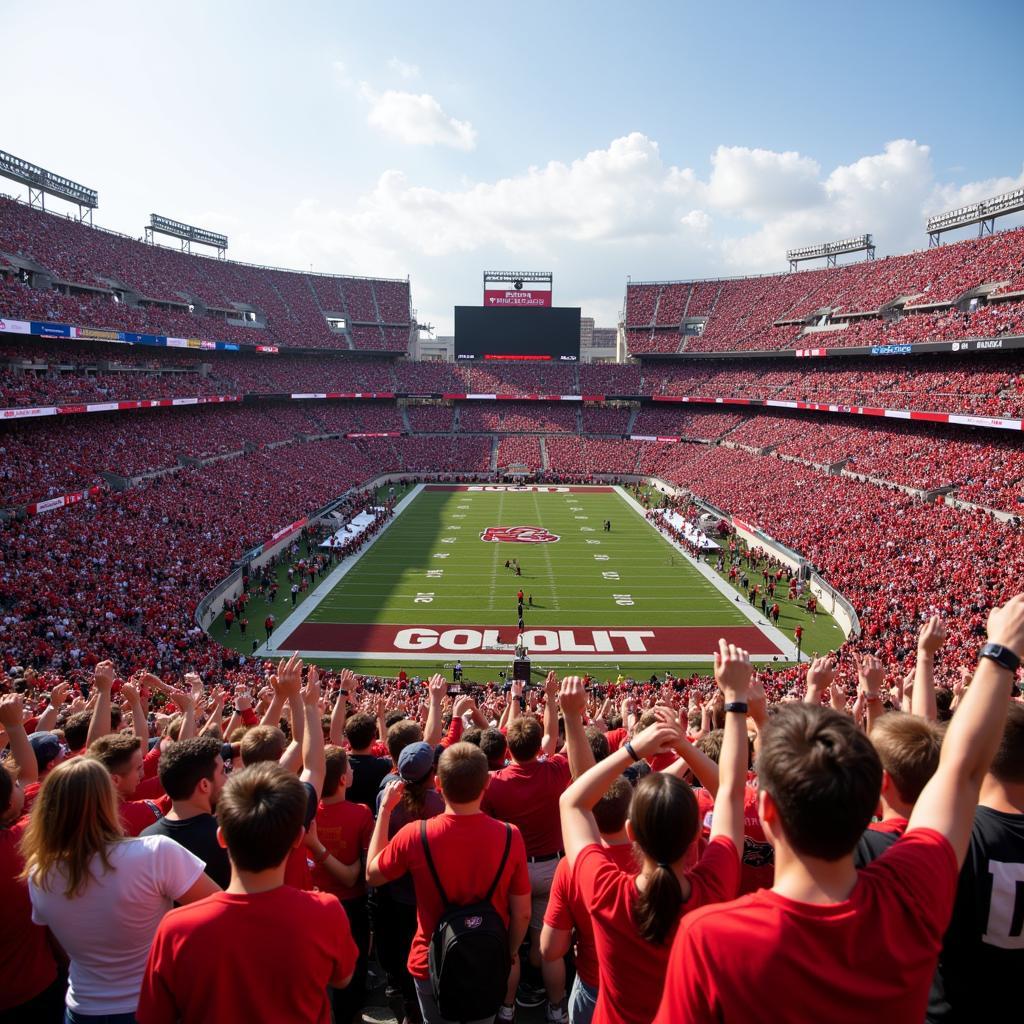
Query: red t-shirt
pixel 466 850
pixel 345 829
pixel 615 738
pixel 527 796
pixel 897 825
pixel 136 815
pixel 757 867
pixel 870 957
pixel 566 910
pixel 203 966
pixel 31 791
pixel 26 963
pixel 632 970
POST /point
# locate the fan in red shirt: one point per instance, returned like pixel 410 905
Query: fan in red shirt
pixel 568 917
pixel 466 847
pixel 635 915
pixel 202 968
pixel 29 989
pixel 526 794
pixel 828 942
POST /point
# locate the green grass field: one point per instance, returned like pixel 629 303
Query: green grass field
pixel 429 591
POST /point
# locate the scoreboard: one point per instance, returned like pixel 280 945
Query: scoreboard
pixel 527 333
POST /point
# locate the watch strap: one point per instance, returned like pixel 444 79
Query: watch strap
pixel 739 706
pixel 1002 656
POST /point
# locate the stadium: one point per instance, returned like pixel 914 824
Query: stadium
pixel 209 466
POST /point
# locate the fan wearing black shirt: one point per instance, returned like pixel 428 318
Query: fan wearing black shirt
pixel 982 959
pixel 192 773
pixel 367 769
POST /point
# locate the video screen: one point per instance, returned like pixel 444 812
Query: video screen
pixel 512 334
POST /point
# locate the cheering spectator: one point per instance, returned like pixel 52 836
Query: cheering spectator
pixel 395 903
pixel 101 894
pixel 526 794
pixel 635 916
pixel 874 935
pixel 462 857
pixel 978 975
pixel 29 987
pixel 201 969
pixel 192 773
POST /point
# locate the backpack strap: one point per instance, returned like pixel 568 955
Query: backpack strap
pixel 436 877
pixel 430 862
pixel 501 866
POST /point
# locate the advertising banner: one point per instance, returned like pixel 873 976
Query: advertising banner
pixel 514 297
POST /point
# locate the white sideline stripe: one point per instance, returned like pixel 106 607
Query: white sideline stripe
pixel 773 633
pixel 442 656
pixel 327 584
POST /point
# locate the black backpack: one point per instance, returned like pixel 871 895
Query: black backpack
pixel 469 954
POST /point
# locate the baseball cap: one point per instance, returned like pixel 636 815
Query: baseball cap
pixel 416 762
pixel 45 746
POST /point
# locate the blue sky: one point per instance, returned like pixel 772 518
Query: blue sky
pixel 596 140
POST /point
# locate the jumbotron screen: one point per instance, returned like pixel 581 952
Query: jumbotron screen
pixel 516 333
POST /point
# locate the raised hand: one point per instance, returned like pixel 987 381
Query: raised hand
pixel 311 693
pixel 572 696
pixel 732 671
pixel 659 738
pixel 288 681
pixel 870 674
pixel 437 687
pixel 1006 625
pixel 59 694
pixel 392 795
pixel 820 674
pixel 12 710
pixel 103 676
pixel 243 701
pixel 932 636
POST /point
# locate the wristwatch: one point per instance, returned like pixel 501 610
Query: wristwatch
pixel 739 706
pixel 1002 656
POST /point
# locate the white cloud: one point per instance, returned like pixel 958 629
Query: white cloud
pixel 758 183
pixel 404 70
pixel 617 211
pixel 416 120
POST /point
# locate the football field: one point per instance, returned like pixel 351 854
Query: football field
pixel 433 588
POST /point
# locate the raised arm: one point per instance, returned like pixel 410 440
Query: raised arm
pixel 550 742
pixel 820 674
pixel 572 697
pixel 103 680
pixel 48 719
pixel 340 713
pixel 140 723
pixel 870 676
pixel 314 761
pixel 12 718
pixel 437 687
pixel 732 673
pixel 379 840
pixel 929 640
pixel 948 801
pixel 576 806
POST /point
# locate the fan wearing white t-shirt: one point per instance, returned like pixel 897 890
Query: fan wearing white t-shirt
pixel 101 894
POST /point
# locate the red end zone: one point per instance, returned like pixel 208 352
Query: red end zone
pixel 672 641
pixel 499 488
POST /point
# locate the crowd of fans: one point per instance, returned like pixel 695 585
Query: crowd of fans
pixel 769 312
pixel 667 850
pixel 190 296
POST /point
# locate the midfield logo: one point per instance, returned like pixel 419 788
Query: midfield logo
pixel 518 535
